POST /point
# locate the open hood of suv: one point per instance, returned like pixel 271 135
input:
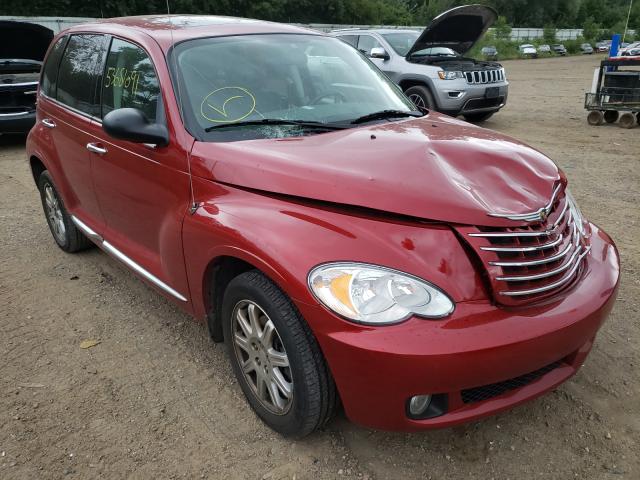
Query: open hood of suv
pixel 432 168
pixel 21 40
pixel 459 29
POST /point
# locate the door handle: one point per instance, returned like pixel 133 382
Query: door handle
pixel 47 122
pixel 95 148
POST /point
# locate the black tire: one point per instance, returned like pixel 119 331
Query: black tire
pixel 70 239
pixel 611 116
pixel 313 401
pixel 478 117
pixel 421 98
pixel 595 118
pixel 627 120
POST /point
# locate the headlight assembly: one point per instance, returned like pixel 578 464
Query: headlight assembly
pixel 375 295
pixel 444 75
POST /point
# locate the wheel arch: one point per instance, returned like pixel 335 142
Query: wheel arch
pixel 217 275
pixel 227 264
pixel 408 82
pixel 37 167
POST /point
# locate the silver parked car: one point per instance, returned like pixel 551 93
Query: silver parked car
pixel 431 68
pixel 586 49
pixel 544 49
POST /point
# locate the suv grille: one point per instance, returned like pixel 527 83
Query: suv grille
pixel 534 261
pixel 485 392
pixel 485 76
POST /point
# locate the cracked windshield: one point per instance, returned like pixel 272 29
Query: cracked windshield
pixel 266 86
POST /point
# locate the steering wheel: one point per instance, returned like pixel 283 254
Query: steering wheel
pixel 336 95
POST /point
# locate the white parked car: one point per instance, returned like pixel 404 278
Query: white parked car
pixel 528 51
pixel 631 50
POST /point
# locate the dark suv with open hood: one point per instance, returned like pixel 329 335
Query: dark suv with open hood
pixel 22 49
pixel 431 67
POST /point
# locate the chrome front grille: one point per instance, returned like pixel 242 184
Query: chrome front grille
pixel 534 261
pixel 485 76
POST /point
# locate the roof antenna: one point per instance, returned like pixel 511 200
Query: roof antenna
pixel 193 205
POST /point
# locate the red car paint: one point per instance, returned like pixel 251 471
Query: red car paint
pixel 396 194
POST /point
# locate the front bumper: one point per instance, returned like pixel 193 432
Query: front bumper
pixel 378 369
pixel 457 97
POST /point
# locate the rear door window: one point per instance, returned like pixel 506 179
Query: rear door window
pixel 50 69
pixel 77 77
pixel 130 81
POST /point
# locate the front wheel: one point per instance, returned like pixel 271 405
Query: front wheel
pixel 275 357
pixel 478 117
pixel 421 98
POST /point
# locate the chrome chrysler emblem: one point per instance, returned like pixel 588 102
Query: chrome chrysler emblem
pixel 539 215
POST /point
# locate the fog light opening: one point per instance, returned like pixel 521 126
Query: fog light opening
pixel 419 404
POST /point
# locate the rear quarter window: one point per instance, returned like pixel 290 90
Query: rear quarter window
pixel 50 69
pixel 77 76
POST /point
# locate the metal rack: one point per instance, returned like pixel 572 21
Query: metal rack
pixel 617 93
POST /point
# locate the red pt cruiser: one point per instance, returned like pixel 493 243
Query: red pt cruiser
pixel 347 248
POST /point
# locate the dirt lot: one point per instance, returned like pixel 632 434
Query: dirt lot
pixel 156 399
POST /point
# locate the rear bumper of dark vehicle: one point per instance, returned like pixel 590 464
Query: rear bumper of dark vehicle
pixel 17 108
pixel 17 123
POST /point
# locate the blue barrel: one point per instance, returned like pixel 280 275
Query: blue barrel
pixel 615 45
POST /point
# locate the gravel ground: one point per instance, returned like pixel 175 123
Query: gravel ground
pixel 156 399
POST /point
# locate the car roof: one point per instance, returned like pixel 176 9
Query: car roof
pixel 374 30
pixel 170 29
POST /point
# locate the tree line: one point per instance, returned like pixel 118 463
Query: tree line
pixel 592 14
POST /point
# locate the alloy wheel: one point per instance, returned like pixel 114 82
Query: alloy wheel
pixel 54 213
pixel 418 101
pixel 262 357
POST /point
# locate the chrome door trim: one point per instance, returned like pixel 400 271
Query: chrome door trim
pixel 126 260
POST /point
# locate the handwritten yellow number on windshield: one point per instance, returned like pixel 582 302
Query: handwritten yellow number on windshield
pixel 228 105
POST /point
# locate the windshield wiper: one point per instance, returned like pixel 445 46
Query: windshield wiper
pixel 278 121
pixel 386 114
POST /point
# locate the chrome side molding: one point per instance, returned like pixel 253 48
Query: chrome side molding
pixel 93 236
pixel 113 251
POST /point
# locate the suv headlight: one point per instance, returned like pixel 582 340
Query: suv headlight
pixel 375 295
pixel 576 214
pixel 444 75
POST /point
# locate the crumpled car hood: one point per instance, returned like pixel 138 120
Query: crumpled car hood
pixel 434 168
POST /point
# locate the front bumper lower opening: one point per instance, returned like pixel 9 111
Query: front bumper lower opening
pixel 439 403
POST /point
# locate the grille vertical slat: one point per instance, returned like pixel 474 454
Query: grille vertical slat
pixel 484 76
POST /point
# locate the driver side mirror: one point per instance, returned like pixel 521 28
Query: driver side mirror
pixel 132 125
pixel 379 52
